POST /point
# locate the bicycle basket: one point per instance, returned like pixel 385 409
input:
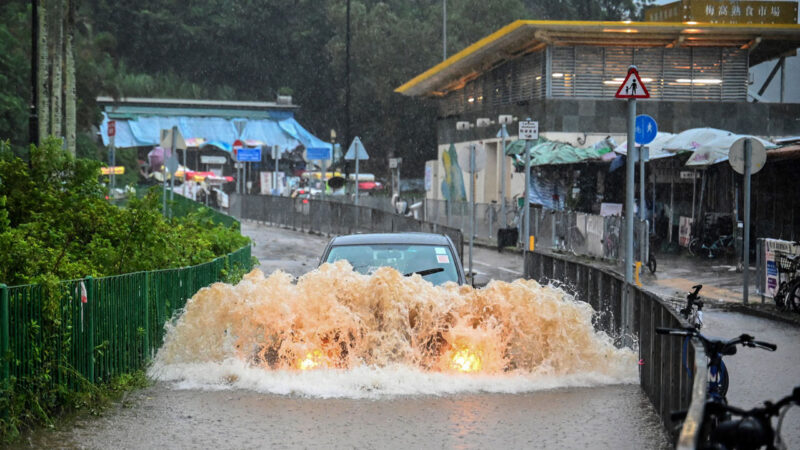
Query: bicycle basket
pixel 787 263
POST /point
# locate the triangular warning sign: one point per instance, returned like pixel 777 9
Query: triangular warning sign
pixel 632 87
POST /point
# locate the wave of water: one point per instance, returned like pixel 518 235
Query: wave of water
pixel 337 333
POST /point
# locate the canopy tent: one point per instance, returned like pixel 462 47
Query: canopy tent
pixel 544 152
pixel 710 145
pixel 144 131
pixel 656 147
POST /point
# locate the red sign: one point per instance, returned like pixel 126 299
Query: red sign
pixel 238 144
pixel 632 87
pixel 112 128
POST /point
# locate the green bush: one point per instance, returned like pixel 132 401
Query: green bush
pixel 56 224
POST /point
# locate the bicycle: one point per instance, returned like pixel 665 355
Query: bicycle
pixel 693 312
pixel 788 295
pixel 715 349
pixel 723 244
pixel 736 428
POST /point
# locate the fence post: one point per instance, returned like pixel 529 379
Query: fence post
pixel 90 300
pixel 146 316
pixel 4 340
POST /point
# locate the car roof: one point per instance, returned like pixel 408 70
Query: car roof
pixel 391 238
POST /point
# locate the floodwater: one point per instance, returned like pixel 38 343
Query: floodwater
pixel 337 359
pixel 165 416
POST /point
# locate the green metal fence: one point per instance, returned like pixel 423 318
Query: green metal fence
pixel 93 329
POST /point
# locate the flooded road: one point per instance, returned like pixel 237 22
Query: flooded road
pixel 611 417
pixel 546 380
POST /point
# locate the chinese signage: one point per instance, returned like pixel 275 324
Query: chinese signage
pixel 725 11
pixel 118 170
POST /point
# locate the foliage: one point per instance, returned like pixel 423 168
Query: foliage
pixel 56 224
pixel 250 50
pixel 14 85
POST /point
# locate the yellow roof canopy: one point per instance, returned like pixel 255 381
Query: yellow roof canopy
pixel 765 41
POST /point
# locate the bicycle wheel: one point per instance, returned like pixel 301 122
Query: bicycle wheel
pixel 781 300
pixel 651 263
pixel 792 299
pixel 695 246
pixel 724 380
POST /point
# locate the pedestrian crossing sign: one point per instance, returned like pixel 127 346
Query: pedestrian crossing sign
pixel 632 87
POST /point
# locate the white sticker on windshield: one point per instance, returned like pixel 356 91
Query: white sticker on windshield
pixel 443 259
pixel 441 251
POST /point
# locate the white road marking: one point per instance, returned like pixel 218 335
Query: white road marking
pixel 497 267
pixel 515 272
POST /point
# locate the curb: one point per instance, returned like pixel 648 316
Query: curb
pixel 788 318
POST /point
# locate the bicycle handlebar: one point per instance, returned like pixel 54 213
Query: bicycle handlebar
pixel 694 294
pixel 713 346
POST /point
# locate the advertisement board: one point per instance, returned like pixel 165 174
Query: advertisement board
pixel 773 249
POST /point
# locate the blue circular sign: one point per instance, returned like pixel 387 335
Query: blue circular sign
pixel 646 129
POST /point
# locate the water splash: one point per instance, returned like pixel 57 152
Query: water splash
pixel 337 333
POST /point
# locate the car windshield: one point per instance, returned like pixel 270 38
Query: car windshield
pixel 403 257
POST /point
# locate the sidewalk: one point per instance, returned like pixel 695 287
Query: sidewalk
pixel 676 274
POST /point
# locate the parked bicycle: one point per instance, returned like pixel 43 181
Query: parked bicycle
pixel 715 349
pixel 743 429
pixel 693 312
pixel 723 245
pixel 788 295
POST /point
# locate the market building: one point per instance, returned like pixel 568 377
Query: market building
pixel 564 74
pixel 210 128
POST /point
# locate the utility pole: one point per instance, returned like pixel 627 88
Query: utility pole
pixel 347 134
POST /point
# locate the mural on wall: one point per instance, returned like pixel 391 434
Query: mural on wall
pixel 453 182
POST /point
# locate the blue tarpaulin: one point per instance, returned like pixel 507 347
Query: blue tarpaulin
pixel 145 131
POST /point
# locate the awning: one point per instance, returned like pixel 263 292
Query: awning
pixel 544 152
pixel 145 131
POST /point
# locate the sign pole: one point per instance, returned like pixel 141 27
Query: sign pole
pixel 527 202
pixel 324 176
pixel 185 169
pixel 503 180
pixel 357 158
pixel 642 212
pixel 746 247
pixel 112 159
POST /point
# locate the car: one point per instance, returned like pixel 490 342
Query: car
pixel 433 256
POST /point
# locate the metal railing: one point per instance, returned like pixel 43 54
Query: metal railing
pixel 632 319
pixel 96 328
pixel 578 233
pixel 333 218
